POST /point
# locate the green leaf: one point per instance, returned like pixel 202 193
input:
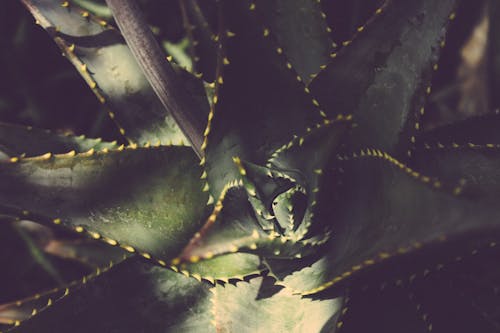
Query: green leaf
pixel 103 59
pixel 305 159
pixel 21 268
pixel 345 17
pixel 86 251
pixel 170 302
pixel 453 292
pixel 260 306
pixel 372 221
pixel 64 245
pixel 14 313
pixel 231 266
pixel 145 200
pixel 477 130
pixel 478 166
pixel 203 36
pixel 260 105
pixel 95 7
pixel 383 75
pixel 19 140
pixel 301 30
pixel 465 291
pixel 388 310
pixel 457 295
pixel 263 185
pixel 132 297
pixel 235 229
pixel 289 207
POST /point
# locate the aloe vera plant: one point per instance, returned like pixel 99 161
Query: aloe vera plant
pixel 279 175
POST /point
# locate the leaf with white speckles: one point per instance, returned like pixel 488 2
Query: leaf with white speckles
pixel 149 199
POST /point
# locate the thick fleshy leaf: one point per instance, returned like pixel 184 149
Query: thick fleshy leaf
pixel 345 17
pixel 453 295
pixel 14 313
pixel 372 221
pixel 146 200
pixel 263 185
pixel 170 302
pixel 305 158
pixel 266 182
pixel 95 8
pixel 477 165
pixel 132 297
pixel 382 77
pixel 19 140
pixel 479 130
pixel 465 293
pixel 388 310
pixel 107 65
pixel 28 269
pixel 235 229
pixel 203 38
pixel 233 266
pixel 300 29
pixel 457 295
pixel 467 150
pixel 88 252
pixel 260 306
pixel 63 244
pixel 289 207
pixel 260 105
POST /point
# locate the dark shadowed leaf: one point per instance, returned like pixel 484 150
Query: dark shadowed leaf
pixel 477 130
pixel 372 221
pixel 132 297
pixel 103 59
pixel 477 165
pixel 18 140
pixel 382 76
pixel 300 29
pixel 261 105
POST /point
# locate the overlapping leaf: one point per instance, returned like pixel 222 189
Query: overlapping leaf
pixel 18 140
pixel 236 229
pixel 170 302
pixel 382 76
pixel 203 37
pixel 302 32
pixel 260 105
pixel 25 270
pixel 372 220
pixel 454 295
pixel 467 150
pixel 100 54
pixel 147 200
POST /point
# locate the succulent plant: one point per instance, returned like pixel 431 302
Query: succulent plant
pixel 278 175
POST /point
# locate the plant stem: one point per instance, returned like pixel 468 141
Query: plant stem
pixel 158 71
